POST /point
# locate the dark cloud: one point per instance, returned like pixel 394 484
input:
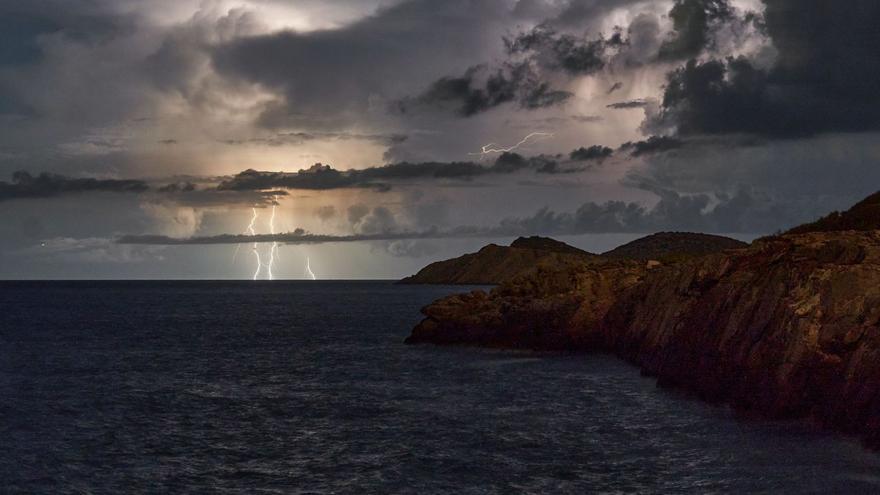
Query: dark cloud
pixel 654 144
pixel 824 78
pixel 721 97
pixel 644 39
pixel 479 90
pixel 324 177
pixel 45 185
pixel 176 187
pixel 318 177
pixel 510 162
pixel 186 194
pixel 24 24
pixel 541 95
pixel 577 56
pixel 533 55
pixel 462 93
pixel 328 77
pixel 596 152
pixel 691 22
pixel 625 105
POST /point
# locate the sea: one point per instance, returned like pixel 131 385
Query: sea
pixel 307 388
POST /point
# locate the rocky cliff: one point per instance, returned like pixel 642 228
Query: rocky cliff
pixel 553 307
pixel 497 264
pixel 788 327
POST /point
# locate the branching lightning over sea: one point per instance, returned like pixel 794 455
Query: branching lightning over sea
pixel 251 231
pixel 490 148
pixel 274 250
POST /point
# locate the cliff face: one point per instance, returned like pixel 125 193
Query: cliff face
pixel 788 327
pixel 553 307
pixel 498 264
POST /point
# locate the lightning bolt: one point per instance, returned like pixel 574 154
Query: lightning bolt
pixel 251 231
pixel 274 250
pixel 489 148
pixel 309 273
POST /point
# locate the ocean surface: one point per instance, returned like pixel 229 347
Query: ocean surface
pixel 306 387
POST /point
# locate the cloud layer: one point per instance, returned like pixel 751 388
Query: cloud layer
pixel 178 117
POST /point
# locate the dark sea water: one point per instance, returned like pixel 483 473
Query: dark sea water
pixel 306 387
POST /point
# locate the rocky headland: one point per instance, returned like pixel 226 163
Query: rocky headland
pixel 787 327
pixel 494 264
pixel 498 264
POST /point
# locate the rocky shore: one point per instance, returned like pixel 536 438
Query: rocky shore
pixel 788 327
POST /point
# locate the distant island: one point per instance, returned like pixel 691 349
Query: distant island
pixel 786 327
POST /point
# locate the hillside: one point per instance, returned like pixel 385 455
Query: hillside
pixel 671 246
pixel 865 215
pixel 496 264
pixel 545 244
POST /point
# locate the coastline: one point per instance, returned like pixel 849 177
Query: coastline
pixel 786 328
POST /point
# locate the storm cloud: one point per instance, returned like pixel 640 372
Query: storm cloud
pixel 324 177
pixel 691 21
pixel 824 78
pixel 596 152
pixel 176 117
pixel 556 51
pixel 654 144
pixel 468 95
pixel 46 185
pixel 327 77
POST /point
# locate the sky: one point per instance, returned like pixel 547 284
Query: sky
pixel 143 138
